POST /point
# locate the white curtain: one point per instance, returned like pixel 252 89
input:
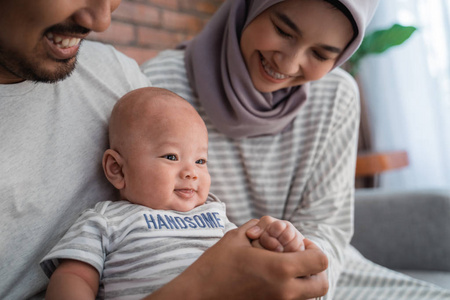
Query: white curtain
pixel 407 90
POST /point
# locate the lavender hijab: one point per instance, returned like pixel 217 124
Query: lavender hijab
pixel 218 75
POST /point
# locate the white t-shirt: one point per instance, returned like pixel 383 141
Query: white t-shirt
pixel 51 142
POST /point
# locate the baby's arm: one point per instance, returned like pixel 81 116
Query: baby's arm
pixel 73 280
pixel 276 235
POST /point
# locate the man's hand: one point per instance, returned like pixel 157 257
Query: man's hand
pixel 233 269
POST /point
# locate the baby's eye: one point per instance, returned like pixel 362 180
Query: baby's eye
pixel 170 157
pixel 201 161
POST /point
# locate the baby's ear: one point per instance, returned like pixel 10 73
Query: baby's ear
pixel 112 166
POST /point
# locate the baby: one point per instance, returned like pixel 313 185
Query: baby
pixel 166 217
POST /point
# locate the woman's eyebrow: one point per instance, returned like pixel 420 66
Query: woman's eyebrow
pixel 286 20
pixel 331 48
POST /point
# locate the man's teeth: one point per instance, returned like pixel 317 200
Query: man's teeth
pixel 63 43
pixel 272 72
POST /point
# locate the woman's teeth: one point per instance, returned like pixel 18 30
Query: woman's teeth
pixel 63 42
pixel 271 71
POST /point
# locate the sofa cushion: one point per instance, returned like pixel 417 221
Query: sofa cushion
pixel 404 230
pixel 439 278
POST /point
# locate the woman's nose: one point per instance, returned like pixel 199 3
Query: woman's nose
pixel 289 62
pixel 96 14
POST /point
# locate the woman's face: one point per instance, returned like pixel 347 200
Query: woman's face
pixel 294 42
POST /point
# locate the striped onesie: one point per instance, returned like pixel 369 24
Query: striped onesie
pixel 137 249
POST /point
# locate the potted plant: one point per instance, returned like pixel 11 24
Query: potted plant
pixel 378 42
pixel 374 43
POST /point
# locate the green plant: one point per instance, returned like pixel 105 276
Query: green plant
pixel 377 42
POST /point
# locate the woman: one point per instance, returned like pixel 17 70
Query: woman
pixel 282 132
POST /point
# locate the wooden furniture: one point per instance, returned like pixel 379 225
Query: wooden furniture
pixel 374 163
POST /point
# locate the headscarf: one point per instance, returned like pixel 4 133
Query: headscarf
pixel 218 74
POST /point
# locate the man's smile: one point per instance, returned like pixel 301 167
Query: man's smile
pixel 63 41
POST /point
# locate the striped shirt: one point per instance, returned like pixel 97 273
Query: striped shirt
pixel 304 174
pixel 136 249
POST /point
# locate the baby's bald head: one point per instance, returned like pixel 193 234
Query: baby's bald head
pixel 145 111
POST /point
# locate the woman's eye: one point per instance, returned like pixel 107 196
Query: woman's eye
pixel 281 32
pixel 170 157
pixel 201 161
pixel 319 56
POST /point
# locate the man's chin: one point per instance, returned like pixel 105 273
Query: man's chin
pixel 53 78
pixel 37 68
pixel 60 72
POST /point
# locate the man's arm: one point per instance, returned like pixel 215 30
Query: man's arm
pixel 73 280
pixel 233 269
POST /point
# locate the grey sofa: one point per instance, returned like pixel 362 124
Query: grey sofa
pixel 408 231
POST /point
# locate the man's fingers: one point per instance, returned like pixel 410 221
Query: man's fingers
pixel 246 226
pixel 254 232
pixel 314 259
pixel 297 273
pixel 293 275
pixel 238 236
pixel 310 287
pixel 299 264
pixel 257 244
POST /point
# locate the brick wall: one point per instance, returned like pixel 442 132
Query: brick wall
pixel 142 28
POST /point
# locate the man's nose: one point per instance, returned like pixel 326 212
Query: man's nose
pixel 96 14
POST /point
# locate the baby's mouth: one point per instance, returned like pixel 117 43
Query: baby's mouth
pixel 63 41
pixel 271 72
pixel 185 193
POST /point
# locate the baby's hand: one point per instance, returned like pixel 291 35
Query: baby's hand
pixel 276 235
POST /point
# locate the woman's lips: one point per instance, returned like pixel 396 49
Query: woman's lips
pixel 270 73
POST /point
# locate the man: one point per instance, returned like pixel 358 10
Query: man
pixel 56 93
pixel 40 39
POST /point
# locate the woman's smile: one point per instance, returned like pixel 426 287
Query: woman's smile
pixel 294 48
pixel 271 72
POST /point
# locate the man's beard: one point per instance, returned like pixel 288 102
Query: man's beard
pixel 33 69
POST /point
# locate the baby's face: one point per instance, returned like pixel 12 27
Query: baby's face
pixel 165 164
